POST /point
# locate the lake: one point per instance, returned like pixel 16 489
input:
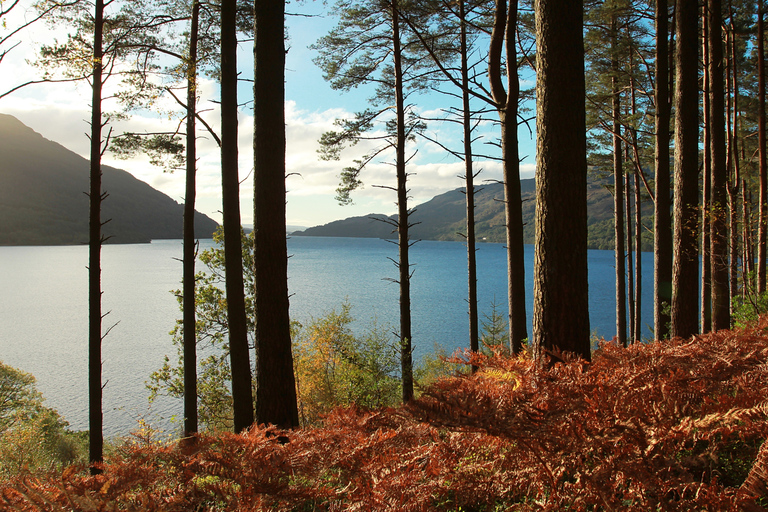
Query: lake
pixel 44 325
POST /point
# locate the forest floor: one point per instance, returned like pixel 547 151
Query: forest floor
pixel 673 425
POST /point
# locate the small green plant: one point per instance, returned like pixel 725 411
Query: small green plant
pixel 494 336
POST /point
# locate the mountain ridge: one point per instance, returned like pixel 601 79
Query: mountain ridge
pixel 444 217
pixel 43 199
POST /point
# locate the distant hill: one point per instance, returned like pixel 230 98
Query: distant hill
pixel 43 200
pixel 444 218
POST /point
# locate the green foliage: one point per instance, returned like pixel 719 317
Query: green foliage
pixel 335 368
pixel 164 150
pixel 493 331
pixel 749 305
pixel 360 51
pixel 33 437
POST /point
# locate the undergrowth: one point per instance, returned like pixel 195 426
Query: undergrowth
pixel 675 425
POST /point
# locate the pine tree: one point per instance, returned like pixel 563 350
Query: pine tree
pixel 236 315
pixel 561 309
pixel 275 386
pixel 369 46
pixel 662 224
pixel 721 317
pixel 685 256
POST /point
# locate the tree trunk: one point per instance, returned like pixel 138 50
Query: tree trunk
pixel 749 254
pixel 275 384
pixel 188 320
pixel 685 254
pixel 763 211
pixel 95 240
pixel 630 260
pixel 638 259
pixel 618 197
pixel 469 177
pixel 706 187
pixel 503 36
pixel 561 306
pixel 721 308
pixel 638 168
pixel 404 267
pixel 734 181
pixel 662 232
pixel 242 395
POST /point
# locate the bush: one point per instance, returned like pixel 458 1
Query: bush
pixel 33 438
pixel 748 307
pixel 335 368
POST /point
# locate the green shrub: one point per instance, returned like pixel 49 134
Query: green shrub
pixel 749 305
pixel 33 438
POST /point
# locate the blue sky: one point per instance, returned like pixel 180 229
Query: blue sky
pixel 59 112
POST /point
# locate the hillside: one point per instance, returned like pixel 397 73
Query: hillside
pixel 43 200
pixel 444 218
pixel 673 425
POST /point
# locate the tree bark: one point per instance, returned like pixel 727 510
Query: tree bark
pixel 503 37
pixel 469 176
pixel 638 259
pixel 242 394
pixel 721 312
pixel 618 196
pixel 275 384
pixel 763 210
pixel 403 242
pixel 732 154
pixel 662 232
pixel 561 307
pixel 95 240
pixel 685 253
pixel 630 257
pixel 188 320
pixel 706 187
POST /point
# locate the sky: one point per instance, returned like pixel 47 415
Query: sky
pixel 60 112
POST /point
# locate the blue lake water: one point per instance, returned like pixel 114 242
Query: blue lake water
pixel 43 308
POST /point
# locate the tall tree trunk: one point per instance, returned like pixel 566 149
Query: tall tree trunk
pixel 629 240
pixel 638 259
pixel 638 168
pixel 275 383
pixel 618 197
pixel 404 266
pixel 706 187
pixel 762 235
pixel 95 240
pixel 734 168
pixel 503 36
pixel 721 308
pixel 242 394
pixel 749 254
pixel 469 177
pixel 561 298
pixel 662 232
pixel 188 320
pixel 685 254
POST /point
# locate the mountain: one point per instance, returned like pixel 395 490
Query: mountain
pixel 43 197
pixel 444 218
